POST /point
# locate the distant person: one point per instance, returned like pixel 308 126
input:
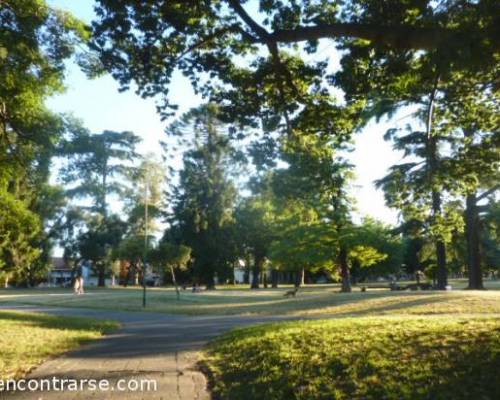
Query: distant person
pixel 78 285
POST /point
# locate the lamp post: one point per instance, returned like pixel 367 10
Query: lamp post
pixel 145 256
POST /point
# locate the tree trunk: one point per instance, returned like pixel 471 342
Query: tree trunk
pixel 355 269
pixel 274 278
pixel 299 278
pixel 442 272
pixel 256 273
pixel 128 276
pixel 101 277
pixel 432 168
pixel 472 229
pixel 210 282
pixel 344 271
pixel 232 280
pixel 174 281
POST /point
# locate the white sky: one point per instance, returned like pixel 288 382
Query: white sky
pixel 99 104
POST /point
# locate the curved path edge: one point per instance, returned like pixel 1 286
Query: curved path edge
pixel 148 346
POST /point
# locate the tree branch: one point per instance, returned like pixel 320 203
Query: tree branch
pixel 253 25
pixel 280 70
pixel 403 37
pixel 210 37
pixel 488 192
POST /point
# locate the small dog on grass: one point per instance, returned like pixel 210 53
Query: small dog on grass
pixel 291 293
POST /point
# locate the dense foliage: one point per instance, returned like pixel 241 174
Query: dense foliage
pixel 264 182
pixel 35 42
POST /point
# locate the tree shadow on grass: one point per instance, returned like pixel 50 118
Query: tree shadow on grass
pixel 58 322
pixel 331 301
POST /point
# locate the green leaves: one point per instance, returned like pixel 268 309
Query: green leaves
pixel 204 199
pixel 98 164
pixel 35 42
pixel 18 228
pixel 172 255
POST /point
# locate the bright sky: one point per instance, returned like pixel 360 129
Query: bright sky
pixel 99 104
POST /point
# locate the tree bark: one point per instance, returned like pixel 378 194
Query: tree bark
pixel 101 277
pixel 344 271
pixel 257 267
pixel 432 168
pixel 274 278
pixel 472 229
pixel 174 281
pixel 299 278
pixel 442 271
pixel 210 283
pixel 355 269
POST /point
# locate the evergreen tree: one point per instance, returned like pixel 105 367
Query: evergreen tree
pixel 204 199
pixel 98 165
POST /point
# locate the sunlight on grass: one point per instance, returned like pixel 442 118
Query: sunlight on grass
pixel 312 300
pixel 362 358
pixel 29 338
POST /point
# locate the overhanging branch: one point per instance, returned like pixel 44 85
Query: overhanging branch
pixel 488 193
pixel 396 36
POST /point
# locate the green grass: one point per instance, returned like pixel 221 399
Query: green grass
pixel 359 358
pixel 311 300
pixel 27 339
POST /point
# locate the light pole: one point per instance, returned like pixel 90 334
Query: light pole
pixel 145 256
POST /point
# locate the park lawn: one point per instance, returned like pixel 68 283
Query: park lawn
pixel 438 358
pixel 27 339
pixel 312 300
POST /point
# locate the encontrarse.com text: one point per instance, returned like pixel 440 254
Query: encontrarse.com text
pixel 76 385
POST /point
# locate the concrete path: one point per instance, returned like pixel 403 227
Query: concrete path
pixel 152 346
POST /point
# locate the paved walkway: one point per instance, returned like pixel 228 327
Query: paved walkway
pixel 148 346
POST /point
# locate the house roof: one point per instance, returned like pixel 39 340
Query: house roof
pixel 58 263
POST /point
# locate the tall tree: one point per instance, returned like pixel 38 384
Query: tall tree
pixel 143 207
pixel 255 226
pixel 390 79
pixel 416 187
pixel 471 108
pixel 35 42
pixel 98 165
pixel 204 199
pixel 316 174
